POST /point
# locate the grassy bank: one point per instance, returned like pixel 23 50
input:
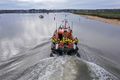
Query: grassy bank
pixel 109 15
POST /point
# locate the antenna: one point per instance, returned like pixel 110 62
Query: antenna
pixel 65 16
pixel 55 21
pixel 72 24
pixel 79 20
pixel 56 25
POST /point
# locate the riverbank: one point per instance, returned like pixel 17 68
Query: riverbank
pixel 109 21
pixel 107 16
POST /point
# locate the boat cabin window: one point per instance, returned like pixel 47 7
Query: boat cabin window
pixel 60 36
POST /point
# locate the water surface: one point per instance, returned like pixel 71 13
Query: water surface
pixel 25 40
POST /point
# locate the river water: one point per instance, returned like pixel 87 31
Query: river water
pixel 25 48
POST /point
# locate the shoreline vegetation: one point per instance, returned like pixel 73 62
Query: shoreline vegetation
pixel 107 15
pixel 105 20
pixel 110 16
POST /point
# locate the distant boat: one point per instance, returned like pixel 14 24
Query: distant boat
pixel 41 16
pixel 47 12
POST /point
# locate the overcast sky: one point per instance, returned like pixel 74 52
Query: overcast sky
pixel 59 4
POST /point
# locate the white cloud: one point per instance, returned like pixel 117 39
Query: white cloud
pixel 42 1
pixel 61 4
